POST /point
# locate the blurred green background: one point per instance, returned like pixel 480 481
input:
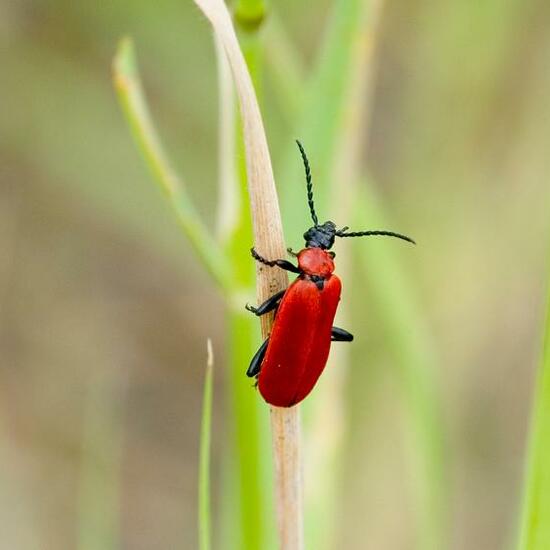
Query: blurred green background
pixel 104 310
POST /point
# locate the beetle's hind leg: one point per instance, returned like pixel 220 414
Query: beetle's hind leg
pixel 269 305
pixel 340 335
pixel 256 363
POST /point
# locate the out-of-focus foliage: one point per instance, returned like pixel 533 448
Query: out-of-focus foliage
pixel 97 286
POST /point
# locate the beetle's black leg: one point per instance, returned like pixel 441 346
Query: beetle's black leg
pixel 340 335
pixel 291 252
pixel 283 264
pixel 269 305
pixel 256 362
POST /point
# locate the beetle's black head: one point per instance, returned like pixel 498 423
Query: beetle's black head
pixel 321 236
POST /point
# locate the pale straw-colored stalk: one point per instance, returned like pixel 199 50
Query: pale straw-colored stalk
pixel 268 239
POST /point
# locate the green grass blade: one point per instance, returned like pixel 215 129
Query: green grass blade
pixel 286 69
pixel 204 456
pixel 250 454
pixel 324 109
pixel 324 499
pixel 535 515
pixel 130 92
pixel 414 354
pixel 246 500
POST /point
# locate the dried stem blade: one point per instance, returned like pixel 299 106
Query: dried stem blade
pixel 285 429
pixel 268 237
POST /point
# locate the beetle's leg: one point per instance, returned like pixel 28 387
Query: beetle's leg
pixel 340 335
pixel 269 305
pixel 255 364
pixel 283 264
pixel 291 252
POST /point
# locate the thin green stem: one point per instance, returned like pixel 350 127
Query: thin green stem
pixel 204 455
pixel 130 92
pixel 249 448
pixel 535 514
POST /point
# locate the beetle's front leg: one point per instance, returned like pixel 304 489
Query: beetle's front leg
pixel 283 264
pixel 269 305
pixel 340 335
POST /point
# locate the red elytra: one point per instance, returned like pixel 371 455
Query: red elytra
pixel 290 361
pixel 301 335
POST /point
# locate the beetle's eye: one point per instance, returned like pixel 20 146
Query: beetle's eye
pixel 332 255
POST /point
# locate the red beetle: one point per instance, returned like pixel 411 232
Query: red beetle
pixel 290 361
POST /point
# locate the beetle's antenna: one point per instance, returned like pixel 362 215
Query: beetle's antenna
pixel 341 233
pixel 309 185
